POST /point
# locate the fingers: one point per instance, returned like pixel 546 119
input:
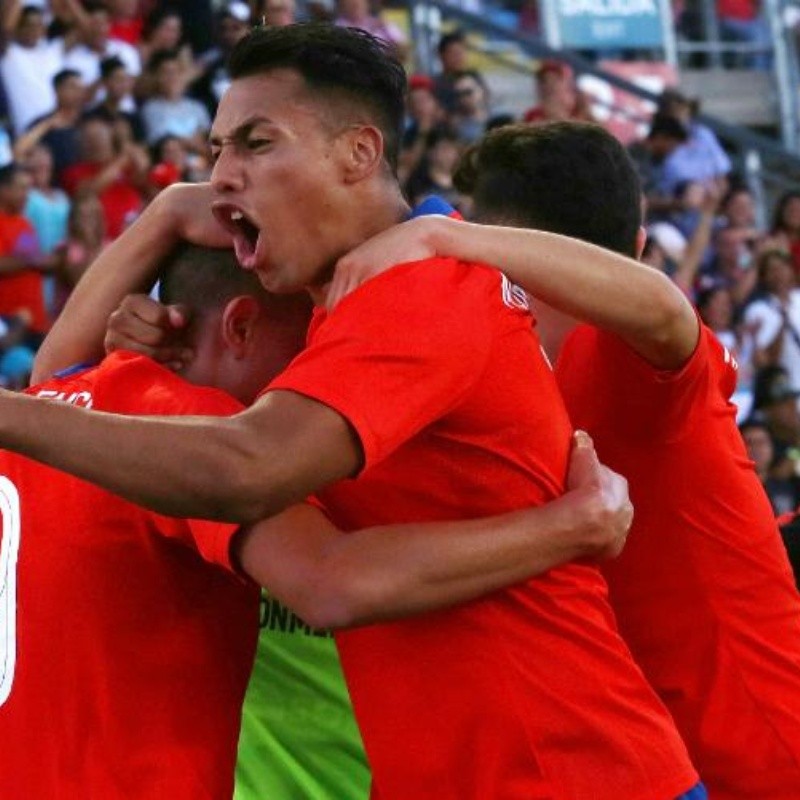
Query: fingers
pixel 145 326
pixel 584 466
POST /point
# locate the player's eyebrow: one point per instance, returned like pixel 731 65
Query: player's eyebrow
pixel 240 131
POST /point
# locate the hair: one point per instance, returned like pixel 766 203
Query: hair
pixel 95 7
pixel 572 178
pixel 29 10
pixel 454 37
pixel 347 69
pixel 64 75
pixel 108 66
pixel 8 173
pixel 206 279
pixel 156 17
pixel 161 57
pixel 780 209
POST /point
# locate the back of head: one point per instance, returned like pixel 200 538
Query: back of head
pixel 349 71
pixel 571 178
pixel 204 280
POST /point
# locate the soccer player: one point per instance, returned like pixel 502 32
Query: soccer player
pixel 703 593
pixel 124 653
pixel 423 397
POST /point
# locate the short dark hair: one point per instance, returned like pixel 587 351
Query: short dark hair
pixel 161 57
pixel 8 173
pixel 337 64
pixel 454 37
pixel 64 75
pixel 204 279
pixel 572 178
pixel 95 7
pixel 28 10
pixel 108 66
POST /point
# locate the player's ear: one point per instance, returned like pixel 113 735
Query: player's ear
pixel 641 240
pixel 363 152
pixel 240 318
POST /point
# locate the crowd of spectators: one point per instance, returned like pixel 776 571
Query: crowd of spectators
pixel 105 104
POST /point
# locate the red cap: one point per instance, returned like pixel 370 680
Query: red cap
pixel 420 82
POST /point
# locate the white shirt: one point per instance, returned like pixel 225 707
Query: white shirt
pixel 87 62
pixel 27 74
pixel 765 320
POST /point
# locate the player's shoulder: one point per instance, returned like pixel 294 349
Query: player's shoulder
pixel 135 384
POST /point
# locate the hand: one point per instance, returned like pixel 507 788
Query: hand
pixel 145 326
pixel 189 207
pixel 603 499
pixel 401 244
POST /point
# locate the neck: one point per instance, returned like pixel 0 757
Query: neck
pixel 375 210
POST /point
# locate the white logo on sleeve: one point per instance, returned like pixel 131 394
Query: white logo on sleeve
pixel 9 552
pixel 514 296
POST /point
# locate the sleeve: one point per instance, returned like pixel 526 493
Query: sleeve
pixel 665 399
pixel 401 351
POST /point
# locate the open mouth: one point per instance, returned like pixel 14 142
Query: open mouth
pixel 244 232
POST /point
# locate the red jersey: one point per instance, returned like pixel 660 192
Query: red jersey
pixel 530 692
pixel 703 592
pixel 21 291
pixel 124 655
pixel 121 200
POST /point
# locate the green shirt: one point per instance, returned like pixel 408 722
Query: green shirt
pixel 299 738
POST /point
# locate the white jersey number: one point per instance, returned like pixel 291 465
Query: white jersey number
pixel 9 511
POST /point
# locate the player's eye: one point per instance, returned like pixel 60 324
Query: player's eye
pixel 258 144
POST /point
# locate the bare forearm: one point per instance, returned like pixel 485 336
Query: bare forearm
pixel 341 580
pixel 126 266
pixel 12 264
pixel 637 303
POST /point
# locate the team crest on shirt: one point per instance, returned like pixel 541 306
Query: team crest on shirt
pixel 514 296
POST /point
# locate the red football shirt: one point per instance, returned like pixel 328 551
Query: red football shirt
pixel 22 290
pixel 132 652
pixel 530 692
pixel 703 591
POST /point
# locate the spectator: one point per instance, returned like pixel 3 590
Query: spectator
pixel 785 232
pixel 775 316
pixel 172 163
pixel 27 68
pixel 739 215
pixel 117 84
pixel 86 237
pixel 454 59
pixel 21 260
pixel 232 24
pixel 558 97
pixel 731 266
pixel 277 13
pixel 783 493
pixel 434 175
pixel 94 45
pixel 126 21
pixel 471 112
pixel 775 404
pixel 58 130
pixel 702 149
pixel 116 172
pixel 356 14
pixel 163 32
pixel 16 357
pixel 650 155
pixel 47 210
pixel 424 116
pixel 743 21
pixel 169 111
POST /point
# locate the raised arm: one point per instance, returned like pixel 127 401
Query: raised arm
pixel 339 580
pixel 128 265
pixel 639 304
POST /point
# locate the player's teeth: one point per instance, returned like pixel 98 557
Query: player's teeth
pixel 236 215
